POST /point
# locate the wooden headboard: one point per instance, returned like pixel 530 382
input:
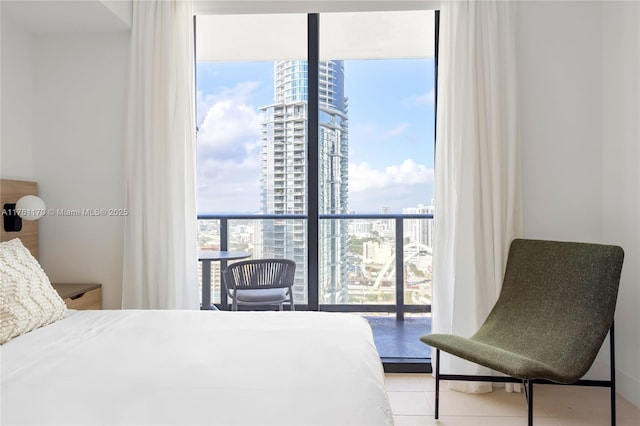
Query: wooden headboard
pixel 10 192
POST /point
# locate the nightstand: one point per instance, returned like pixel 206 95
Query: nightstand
pixel 80 296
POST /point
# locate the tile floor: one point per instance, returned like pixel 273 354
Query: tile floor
pixel 412 400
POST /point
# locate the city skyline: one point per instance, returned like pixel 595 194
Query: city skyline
pixel 390 141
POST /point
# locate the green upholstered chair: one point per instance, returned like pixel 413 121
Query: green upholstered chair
pixel 555 308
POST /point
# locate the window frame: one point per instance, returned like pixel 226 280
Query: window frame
pixel 313 215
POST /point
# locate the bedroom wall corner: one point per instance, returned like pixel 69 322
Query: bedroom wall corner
pixel 81 82
pixel 16 136
pixel 621 177
pixel 579 114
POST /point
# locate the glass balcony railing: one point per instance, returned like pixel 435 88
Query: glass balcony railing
pixel 378 263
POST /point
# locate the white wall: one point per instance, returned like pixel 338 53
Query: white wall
pixel 16 130
pixel 559 65
pixel 79 87
pixel 578 86
pixel 62 124
pixel 621 178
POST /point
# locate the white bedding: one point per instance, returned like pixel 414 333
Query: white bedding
pixel 192 367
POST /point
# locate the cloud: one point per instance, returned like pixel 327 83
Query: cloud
pixel 397 186
pixel 230 126
pixel 425 99
pixel 229 186
pixel 241 93
pixel 364 178
pixel 396 131
pixel 228 168
pixel 375 133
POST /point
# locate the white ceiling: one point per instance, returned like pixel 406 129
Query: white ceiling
pixel 220 7
pixel 57 16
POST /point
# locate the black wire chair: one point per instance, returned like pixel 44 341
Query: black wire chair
pixel 260 282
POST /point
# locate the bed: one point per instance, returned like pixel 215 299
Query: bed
pixel 190 367
pixel 135 367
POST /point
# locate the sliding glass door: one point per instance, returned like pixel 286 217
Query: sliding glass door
pixel 316 143
pixel 252 136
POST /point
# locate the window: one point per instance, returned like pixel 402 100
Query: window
pixel 312 172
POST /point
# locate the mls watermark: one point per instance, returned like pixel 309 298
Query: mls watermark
pixel 100 212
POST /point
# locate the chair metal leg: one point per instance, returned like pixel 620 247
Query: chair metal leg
pixel 612 361
pixel 437 383
pixel 529 391
pixel 528 384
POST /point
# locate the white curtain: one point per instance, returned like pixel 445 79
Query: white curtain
pixel 477 187
pixel 160 244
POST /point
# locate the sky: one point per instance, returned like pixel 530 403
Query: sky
pixel 391 133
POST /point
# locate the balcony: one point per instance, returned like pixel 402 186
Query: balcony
pixel 385 277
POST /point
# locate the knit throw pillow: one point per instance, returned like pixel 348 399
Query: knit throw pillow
pixel 27 299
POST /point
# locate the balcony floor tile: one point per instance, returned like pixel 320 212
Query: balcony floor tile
pixel 400 339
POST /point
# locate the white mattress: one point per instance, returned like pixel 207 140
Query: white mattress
pixel 191 367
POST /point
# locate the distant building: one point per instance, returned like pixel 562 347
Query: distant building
pixel 419 230
pixel 376 252
pixel 283 176
pixel 360 228
pixel 385 229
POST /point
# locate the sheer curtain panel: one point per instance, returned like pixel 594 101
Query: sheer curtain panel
pixel 160 247
pixel 477 182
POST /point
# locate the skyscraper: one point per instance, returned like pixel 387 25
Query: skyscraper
pixel 419 231
pixel 284 171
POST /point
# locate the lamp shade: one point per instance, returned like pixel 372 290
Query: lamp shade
pixel 30 207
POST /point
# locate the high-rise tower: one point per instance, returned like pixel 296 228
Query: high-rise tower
pixel 284 171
